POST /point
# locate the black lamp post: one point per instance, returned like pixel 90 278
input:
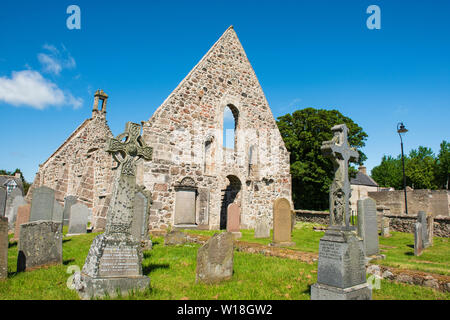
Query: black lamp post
pixel 401 130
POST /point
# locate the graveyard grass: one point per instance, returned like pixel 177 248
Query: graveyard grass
pixel 172 272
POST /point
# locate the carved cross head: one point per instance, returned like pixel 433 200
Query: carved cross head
pixel 131 147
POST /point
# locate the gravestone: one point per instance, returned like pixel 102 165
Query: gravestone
pixel 422 219
pixel 367 225
pixel 262 229
pixel 114 261
pixel 174 238
pixel 234 220
pixel 215 259
pixel 3 248
pixel 385 225
pixel 341 271
pixel 57 213
pixel 418 241
pixel 430 226
pixel 282 223
pixel 69 201
pixel 78 219
pixel 139 226
pixel 23 216
pixel 11 212
pixel 40 244
pixel 42 204
pixel 2 201
pixel 185 204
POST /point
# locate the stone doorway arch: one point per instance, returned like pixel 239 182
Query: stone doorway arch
pixel 231 194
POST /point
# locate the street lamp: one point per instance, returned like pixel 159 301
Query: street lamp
pixel 402 130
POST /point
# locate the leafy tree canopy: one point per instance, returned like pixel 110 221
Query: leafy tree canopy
pixel 303 133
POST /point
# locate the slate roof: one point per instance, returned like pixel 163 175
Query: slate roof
pixel 5 179
pixel 363 180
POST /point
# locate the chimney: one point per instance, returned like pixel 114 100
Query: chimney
pixel 17 175
pixel 363 169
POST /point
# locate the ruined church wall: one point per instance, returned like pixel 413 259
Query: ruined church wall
pixel 193 115
pixel 80 167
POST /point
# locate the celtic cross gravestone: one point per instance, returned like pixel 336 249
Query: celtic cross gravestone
pixel 114 259
pixel 341 271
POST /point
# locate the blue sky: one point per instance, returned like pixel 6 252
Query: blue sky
pixel 305 53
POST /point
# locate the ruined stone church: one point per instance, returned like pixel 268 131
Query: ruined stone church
pixel 193 175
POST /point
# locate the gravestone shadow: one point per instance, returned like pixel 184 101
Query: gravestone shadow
pixel 12 244
pixel 21 261
pixel 66 262
pixel 146 270
pixel 66 240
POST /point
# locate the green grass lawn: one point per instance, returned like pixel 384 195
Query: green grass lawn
pixel 399 248
pixel 172 273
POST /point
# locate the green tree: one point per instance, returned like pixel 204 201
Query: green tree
pixel 389 172
pixel 421 168
pixel 303 133
pixel 443 166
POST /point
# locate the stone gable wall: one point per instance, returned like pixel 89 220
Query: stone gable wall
pixel 80 167
pixel 193 115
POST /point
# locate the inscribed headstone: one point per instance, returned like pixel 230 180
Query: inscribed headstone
pixel 215 259
pixel 282 223
pixel 262 229
pixel 42 204
pixel 233 218
pixel 418 241
pixel 367 225
pixel 2 201
pixel 3 248
pixel 40 244
pixel 23 216
pixel 69 201
pixel 78 219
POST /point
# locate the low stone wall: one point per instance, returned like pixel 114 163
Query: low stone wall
pixel 322 217
pixel 405 223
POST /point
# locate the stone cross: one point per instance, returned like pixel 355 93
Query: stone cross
pixel 341 154
pixel 132 147
pixel 126 149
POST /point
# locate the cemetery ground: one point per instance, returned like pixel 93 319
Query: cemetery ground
pixel 256 276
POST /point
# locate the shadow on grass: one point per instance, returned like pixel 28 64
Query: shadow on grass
pixel 12 244
pixel 410 246
pixel 153 266
pixel 307 291
pixel 66 262
pixel 66 240
pixel 409 253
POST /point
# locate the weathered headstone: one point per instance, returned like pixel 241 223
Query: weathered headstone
pixel 69 201
pixel 139 226
pixel 262 229
pixel 367 225
pixel 282 223
pixel 234 220
pixel 40 244
pixel 3 194
pixel 11 212
pixel 23 216
pixel 341 271
pixel 422 218
pixel 78 219
pixel 418 241
pixel 215 259
pixel 430 226
pixel 114 261
pixel 42 204
pixel 385 224
pixel 3 248
pixel 175 237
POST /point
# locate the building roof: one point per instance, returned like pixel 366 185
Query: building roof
pixel 363 180
pixel 4 180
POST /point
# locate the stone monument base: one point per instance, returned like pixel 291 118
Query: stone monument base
pixel 101 287
pixel 324 292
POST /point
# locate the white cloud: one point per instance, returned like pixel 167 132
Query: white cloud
pixel 30 88
pixel 54 61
